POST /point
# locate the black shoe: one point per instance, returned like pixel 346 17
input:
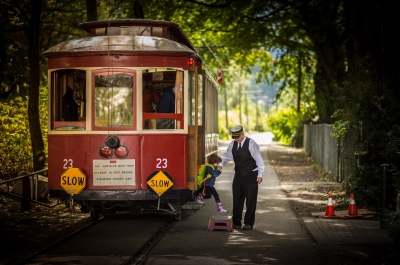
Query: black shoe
pixel 247 227
pixel 237 226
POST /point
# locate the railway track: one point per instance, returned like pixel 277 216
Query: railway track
pixel 54 244
pixel 120 239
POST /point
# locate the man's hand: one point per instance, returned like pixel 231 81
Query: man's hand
pixel 259 180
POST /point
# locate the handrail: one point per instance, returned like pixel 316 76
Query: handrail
pixel 21 177
pixel 33 189
pixel 179 117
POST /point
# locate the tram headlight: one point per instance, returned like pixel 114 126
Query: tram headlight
pixel 112 141
pixel 105 152
pixel 121 152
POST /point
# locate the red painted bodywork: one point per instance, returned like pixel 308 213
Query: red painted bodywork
pixel 147 150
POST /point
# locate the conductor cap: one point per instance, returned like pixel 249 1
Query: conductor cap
pixel 237 131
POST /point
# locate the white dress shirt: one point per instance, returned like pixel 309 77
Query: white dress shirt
pixel 254 151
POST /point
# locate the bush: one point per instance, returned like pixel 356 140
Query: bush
pixel 15 144
pixel 283 124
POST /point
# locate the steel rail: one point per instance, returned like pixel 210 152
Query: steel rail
pixel 137 257
pixel 48 247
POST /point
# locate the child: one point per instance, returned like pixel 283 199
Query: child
pixel 212 171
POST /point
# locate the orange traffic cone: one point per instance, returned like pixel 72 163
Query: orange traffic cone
pixel 352 208
pixel 330 211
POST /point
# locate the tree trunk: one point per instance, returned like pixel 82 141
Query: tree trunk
pixel 320 24
pixel 33 32
pixel 299 84
pixel 91 10
pixel 226 111
pixel 322 96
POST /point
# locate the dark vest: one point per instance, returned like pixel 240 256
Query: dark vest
pixel 244 162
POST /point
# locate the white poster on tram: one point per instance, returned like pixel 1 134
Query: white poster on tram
pixel 114 172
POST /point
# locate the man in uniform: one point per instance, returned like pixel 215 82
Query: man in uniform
pixel 249 170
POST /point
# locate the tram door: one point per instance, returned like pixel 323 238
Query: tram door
pixel 195 129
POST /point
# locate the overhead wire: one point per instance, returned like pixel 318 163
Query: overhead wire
pixel 209 48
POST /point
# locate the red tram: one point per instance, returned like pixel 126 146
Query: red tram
pixel 103 123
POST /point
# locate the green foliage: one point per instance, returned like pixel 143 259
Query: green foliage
pixel 283 124
pixel 365 180
pixel 392 223
pixel 15 145
pixel 342 125
pixel 223 132
pixel 381 118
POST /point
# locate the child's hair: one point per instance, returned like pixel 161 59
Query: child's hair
pixel 214 158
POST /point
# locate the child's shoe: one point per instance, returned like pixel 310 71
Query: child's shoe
pixel 220 209
pixel 199 199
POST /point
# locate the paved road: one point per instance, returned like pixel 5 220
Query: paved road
pixel 278 236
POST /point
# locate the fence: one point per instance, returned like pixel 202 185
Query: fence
pixel 337 157
pixel 29 189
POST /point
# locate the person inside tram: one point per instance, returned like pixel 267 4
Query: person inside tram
pixel 69 106
pixel 150 101
pixel 166 104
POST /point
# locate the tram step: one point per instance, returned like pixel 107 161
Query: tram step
pixel 220 222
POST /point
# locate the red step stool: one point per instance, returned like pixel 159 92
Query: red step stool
pixel 220 222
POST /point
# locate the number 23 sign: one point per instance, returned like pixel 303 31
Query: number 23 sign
pixel 162 163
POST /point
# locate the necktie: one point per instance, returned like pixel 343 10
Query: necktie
pixel 240 146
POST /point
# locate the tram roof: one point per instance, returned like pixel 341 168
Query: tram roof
pixel 91 26
pixel 117 43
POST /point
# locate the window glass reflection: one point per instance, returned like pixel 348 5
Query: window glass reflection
pixel 113 99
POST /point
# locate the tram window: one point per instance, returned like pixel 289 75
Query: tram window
pixel 200 100
pixel 171 35
pixel 192 95
pixel 134 31
pixel 165 86
pixel 113 99
pixel 100 31
pixel 158 32
pixel 68 98
pixel 192 110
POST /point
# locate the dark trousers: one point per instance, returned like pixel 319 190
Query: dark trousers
pixel 208 191
pixel 244 188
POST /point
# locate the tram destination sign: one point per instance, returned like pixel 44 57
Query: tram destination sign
pixel 114 172
pixel 73 181
pixel 159 182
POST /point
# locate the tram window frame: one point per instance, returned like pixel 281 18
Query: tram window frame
pixel 192 100
pixel 61 112
pixel 200 101
pixel 131 109
pixel 159 79
pixel 129 31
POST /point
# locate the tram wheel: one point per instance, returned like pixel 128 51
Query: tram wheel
pixel 178 217
pixel 94 214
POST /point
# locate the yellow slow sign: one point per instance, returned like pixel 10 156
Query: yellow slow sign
pixel 73 180
pixel 159 182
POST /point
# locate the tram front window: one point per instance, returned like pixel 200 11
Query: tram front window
pixel 68 98
pixel 113 100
